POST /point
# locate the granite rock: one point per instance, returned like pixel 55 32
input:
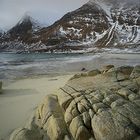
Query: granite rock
pixel 102 106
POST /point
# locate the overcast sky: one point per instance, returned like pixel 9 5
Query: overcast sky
pixel 46 11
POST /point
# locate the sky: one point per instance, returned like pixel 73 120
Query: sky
pixel 45 11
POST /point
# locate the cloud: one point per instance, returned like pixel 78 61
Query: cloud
pixel 46 11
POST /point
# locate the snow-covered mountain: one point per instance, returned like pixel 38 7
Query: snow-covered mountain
pixel 1 32
pixel 98 24
pixel 24 28
pixel 124 20
pixel 16 38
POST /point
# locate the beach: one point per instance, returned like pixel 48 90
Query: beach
pixel 20 98
pixel 22 92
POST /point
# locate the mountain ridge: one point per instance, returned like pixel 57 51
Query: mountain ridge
pixel 96 24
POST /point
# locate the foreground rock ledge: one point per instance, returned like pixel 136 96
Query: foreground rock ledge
pixel 98 105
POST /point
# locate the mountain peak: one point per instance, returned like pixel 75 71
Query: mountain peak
pixel 25 25
pixel 90 2
pixel 28 18
pixel 96 24
pixel 25 18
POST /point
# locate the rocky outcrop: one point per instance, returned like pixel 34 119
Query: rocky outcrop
pixel 101 105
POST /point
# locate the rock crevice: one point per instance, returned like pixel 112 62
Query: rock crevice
pixel 99 105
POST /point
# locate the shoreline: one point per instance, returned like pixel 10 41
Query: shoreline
pixel 89 50
pixel 89 100
pixel 23 94
pixel 78 53
pixel 20 98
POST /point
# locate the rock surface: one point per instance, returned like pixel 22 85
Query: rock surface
pixel 102 105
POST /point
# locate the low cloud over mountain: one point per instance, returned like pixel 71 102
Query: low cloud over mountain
pixel 95 25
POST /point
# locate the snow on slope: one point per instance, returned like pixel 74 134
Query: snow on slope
pixel 97 24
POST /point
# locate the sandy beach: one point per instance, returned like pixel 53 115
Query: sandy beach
pixel 20 98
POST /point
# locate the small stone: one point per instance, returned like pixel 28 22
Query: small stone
pixel 83 69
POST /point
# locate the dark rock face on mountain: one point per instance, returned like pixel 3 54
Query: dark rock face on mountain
pixel 79 25
pixel 97 105
pixel 24 29
pixel 97 24
pixel 1 33
pixel 17 37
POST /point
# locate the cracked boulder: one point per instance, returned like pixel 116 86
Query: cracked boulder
pixel 97 106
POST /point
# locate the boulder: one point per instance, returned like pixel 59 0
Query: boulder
pixel 106 68
pixel 84 74
pixel 126 70
pixel 136 72
pixel 25 134
pixel 91 107
pixel 122 73
pixel 93 72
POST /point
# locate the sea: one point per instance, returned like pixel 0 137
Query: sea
pixel 14 66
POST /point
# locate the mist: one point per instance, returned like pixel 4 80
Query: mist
pixel 45 11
